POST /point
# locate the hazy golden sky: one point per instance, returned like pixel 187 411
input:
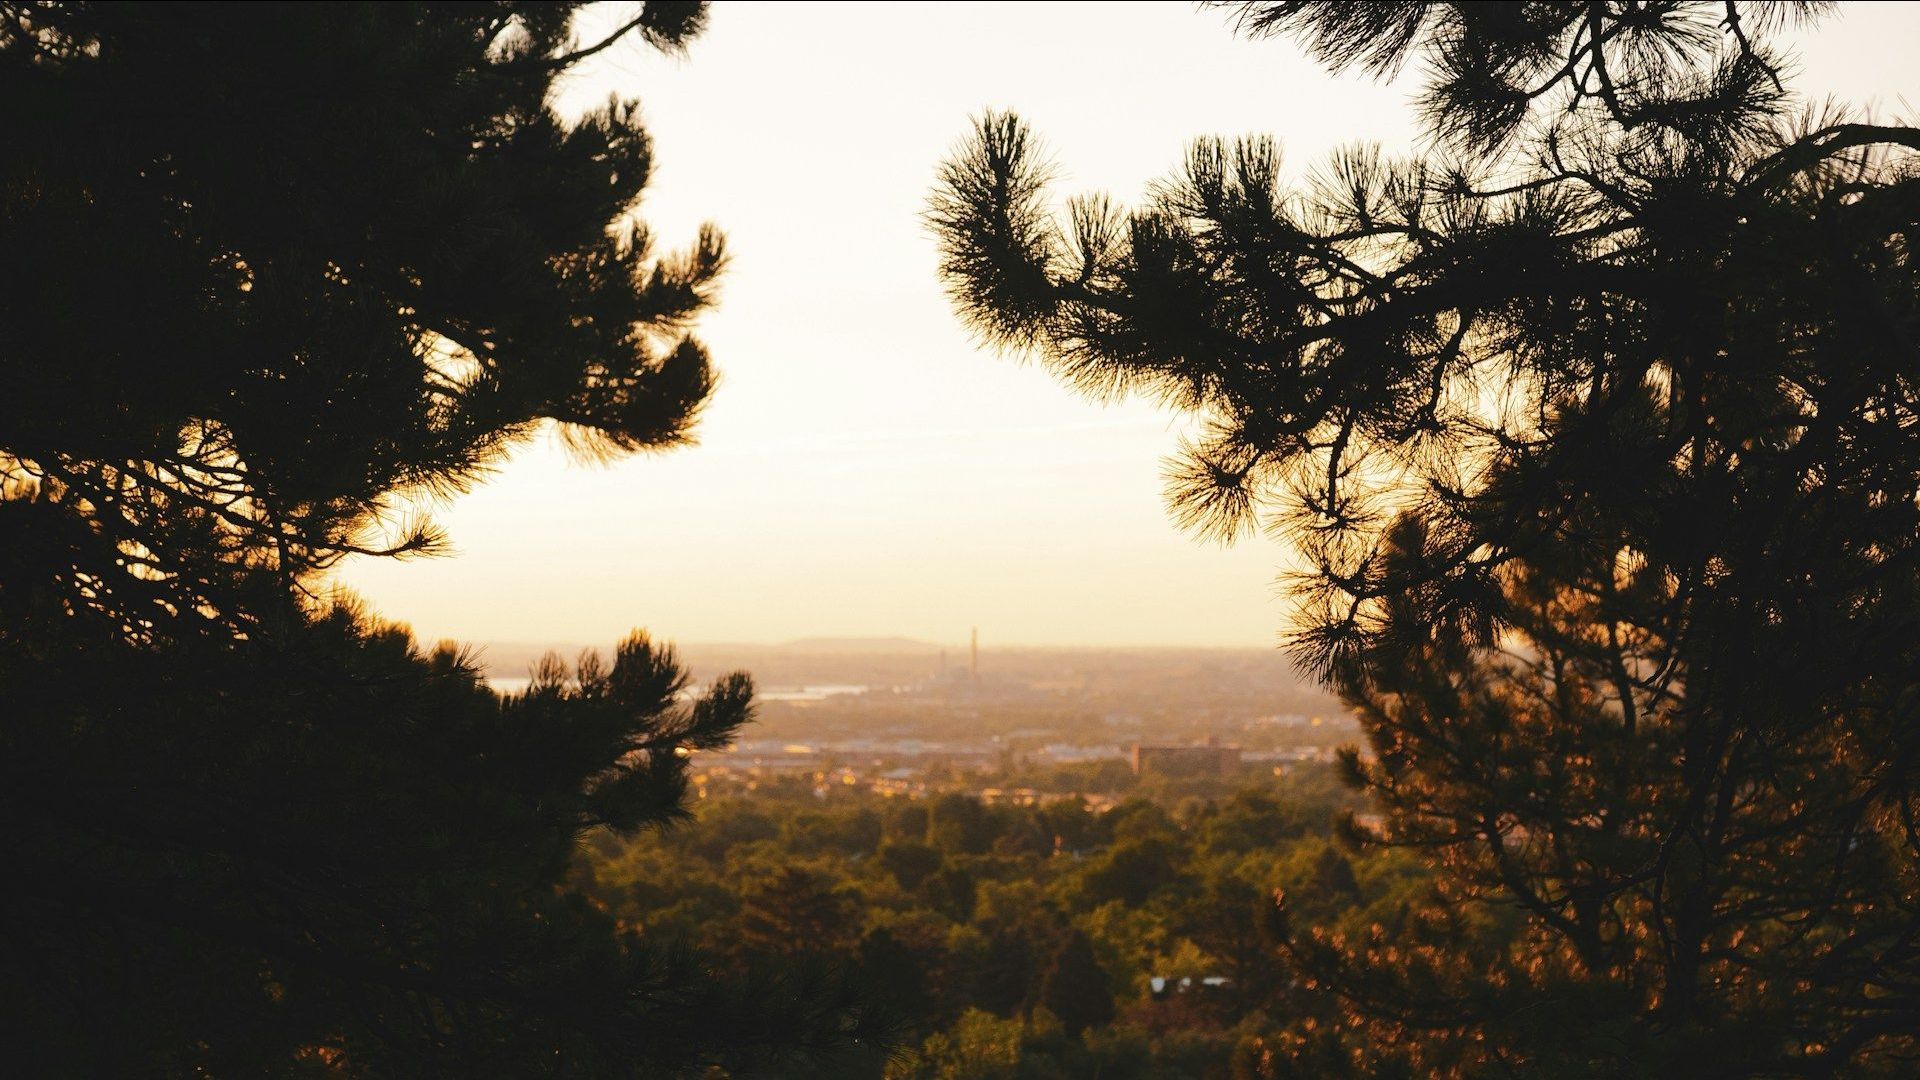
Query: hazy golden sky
pixel 864 469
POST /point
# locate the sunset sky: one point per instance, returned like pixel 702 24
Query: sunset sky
pixel 864 468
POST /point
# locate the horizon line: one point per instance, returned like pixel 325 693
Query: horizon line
pixel 875 643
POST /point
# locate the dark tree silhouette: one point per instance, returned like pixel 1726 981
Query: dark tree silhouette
pixel 1600 428
pixel 909 863
pixel 894 973
pixel 266 271
pixel 273 268
pixel 1075 987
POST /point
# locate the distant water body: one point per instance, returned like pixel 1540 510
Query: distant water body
pixel 809 693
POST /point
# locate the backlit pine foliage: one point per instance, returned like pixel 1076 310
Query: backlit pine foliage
pixel 1599 427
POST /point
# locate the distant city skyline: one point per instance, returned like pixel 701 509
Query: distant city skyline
pixel 864 469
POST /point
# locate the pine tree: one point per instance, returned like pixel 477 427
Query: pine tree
pixel 276 268
pixel 267 271
pixel 895 973
pixel 1599 427
pixel 795 913
pixel 1074 987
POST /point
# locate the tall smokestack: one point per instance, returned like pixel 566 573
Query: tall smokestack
pixel 973 663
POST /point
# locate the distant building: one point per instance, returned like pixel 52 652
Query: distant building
pixel 1207 759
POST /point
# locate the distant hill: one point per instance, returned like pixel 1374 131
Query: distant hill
pixel 512 659
pixel 857 645
pixel 1179 679
pixel 509 659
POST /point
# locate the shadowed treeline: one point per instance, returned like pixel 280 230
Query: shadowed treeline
pixel 1022 939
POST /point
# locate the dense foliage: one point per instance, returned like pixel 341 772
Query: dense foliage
pixel 271 267
pixel 1024 940
pixel 1600 426
pixel 265 272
